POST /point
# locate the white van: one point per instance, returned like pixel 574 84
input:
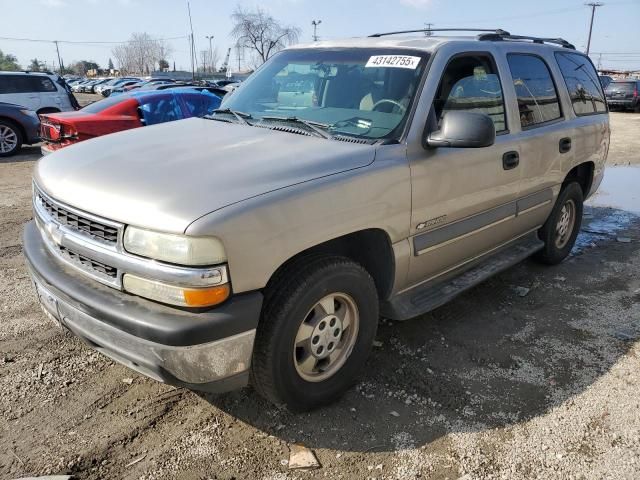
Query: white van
pixel 41 92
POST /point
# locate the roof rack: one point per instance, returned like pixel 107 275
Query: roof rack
pixel 490 34
pixel 495 31
pixel 502 35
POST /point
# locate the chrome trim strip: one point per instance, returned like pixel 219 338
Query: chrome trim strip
pixel 55 234
pixel 463 228
pixel 535 207
pixel 540 198
pixel 452 232
pixel 473 232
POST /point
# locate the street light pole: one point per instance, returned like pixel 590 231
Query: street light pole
pixel 210 37
pixel 593 6
pixel 315 24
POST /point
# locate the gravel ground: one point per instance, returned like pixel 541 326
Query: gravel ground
pixel 533 374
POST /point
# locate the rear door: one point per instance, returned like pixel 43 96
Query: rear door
pixel 50 95
pixel 542 132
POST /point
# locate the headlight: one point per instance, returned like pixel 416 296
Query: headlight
pixel 178 249
pixel 174 295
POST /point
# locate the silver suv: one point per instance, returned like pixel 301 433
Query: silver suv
pixel 342 181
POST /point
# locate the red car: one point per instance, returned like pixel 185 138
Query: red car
pixel 123 112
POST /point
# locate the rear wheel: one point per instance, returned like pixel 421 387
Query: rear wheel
pixel 317 327
pixel 10 138
pixel 561 228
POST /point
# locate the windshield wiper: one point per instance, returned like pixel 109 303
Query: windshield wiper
pixel 240 116
pixel 316 127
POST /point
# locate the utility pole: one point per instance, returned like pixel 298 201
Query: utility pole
pixel 593 6
pixel 315 24
pixel 193 45
pixel 60 66
pixel 210 37
pixel 428 32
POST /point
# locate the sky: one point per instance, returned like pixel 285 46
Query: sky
pixel 616 32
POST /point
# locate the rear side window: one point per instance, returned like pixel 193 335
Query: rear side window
pixel 471 83
pixel 199 104
pixel 536 93
pixel 43 84
pixel 160 109
pixel 26 84
pixel 582 82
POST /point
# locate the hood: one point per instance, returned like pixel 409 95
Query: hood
pixel 166 176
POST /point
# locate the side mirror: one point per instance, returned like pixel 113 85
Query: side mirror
pixel 464 130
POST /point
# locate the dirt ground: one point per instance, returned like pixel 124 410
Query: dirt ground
pixel 533 374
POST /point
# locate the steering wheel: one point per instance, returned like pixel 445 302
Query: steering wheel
pixel 392 102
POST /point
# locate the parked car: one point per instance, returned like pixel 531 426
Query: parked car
pixel 106 91
pixel 114 82
pixel 87 87
pixel 40 92
pixel 18 126
pixel 77 86
pixel 265 241
pixel 623 95
pixel 124 112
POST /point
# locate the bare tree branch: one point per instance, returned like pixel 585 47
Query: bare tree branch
pixel 260 32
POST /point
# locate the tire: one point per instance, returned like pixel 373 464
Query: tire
pixel 279 372
pixel 558 239
pixel 10 138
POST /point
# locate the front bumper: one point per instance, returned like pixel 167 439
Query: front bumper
pixel 209 351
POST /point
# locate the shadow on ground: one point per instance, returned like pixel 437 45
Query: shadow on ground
pixel 28 153
pixel 495 356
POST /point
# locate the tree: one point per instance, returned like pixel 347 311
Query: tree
pixel 111 67
pixel 83 66
pixel 35 65
pixel 261 33
pixel 141 54
pixel 8 62
pixel 163 65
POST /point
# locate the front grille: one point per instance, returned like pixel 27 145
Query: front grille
pixel 106 233
pixel 87 263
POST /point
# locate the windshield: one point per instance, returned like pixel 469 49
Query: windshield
pixel 357 92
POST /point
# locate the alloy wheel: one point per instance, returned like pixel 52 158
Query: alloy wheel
pixel 326 337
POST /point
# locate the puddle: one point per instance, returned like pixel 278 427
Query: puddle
pixel 612 209
pixel 620 189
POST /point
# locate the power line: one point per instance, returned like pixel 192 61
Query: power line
pixel 87 42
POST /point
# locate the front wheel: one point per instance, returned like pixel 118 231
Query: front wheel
pixel 561 228
pixel 317 328
pixel 10 138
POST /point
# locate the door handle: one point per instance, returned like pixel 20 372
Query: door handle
pixel 565 145
pixel 510 160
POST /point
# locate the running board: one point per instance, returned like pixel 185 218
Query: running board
pixel 428 296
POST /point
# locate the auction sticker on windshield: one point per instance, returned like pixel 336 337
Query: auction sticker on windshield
pixel 393 61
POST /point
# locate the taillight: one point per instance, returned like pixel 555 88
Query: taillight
pixel 635 92
pixel 67 131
